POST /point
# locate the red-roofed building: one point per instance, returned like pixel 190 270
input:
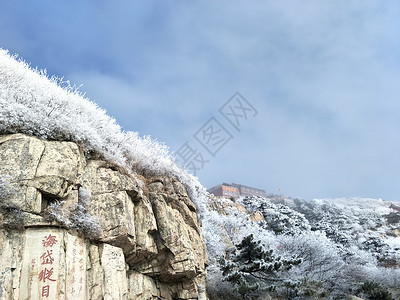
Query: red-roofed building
pixel 224 190
pixel 235 190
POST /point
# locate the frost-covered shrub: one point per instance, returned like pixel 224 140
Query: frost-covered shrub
pixel 353 222
pixel 279 218
pixel 375 291
pixel 56 212
pixel 84 222
pixel 217 288
pixel 75 216
pixel 320 258
pixel 84 195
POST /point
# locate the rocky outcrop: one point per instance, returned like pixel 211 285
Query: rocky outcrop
pixel 79 228
pixel 225 207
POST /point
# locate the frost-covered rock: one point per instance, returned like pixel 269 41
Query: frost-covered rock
pixel 81 228
pixel 50 108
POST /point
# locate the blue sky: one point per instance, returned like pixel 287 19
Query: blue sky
pixel 324 77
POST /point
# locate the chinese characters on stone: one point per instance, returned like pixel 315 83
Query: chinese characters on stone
pixel 213 136
pixel 76 278
pixel 49 241
pixel 47 259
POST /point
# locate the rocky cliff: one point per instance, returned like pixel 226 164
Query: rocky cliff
pixel 73 226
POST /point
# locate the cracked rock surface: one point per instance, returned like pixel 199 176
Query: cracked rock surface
pixel 79 228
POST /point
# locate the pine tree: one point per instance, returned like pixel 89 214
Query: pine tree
pixel 255 269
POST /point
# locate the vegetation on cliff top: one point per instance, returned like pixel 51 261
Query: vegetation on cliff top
pixel 50 108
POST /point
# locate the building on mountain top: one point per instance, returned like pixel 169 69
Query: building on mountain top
pixel 249 191
pixel 235 190
pixel 224 190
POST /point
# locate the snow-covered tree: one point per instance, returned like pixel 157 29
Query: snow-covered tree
pixel 254 269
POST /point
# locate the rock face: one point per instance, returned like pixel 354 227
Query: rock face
pixel 78 228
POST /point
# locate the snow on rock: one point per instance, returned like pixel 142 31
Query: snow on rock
pixel 50 108
pixel 114 237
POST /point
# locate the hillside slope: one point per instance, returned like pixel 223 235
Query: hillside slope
pixel 344 245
